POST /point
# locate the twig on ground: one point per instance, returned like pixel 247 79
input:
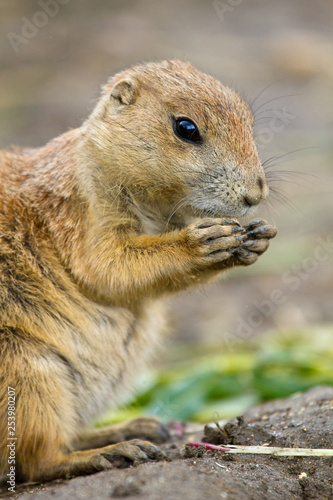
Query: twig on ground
pixel 266 450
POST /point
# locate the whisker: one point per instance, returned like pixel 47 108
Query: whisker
pixel 176 207
pixel 291 173
pixel 159 185
pixel 266 118
pixel 271 206
pixel 282 198
pixel 188 182
pixel 269 109
pixel 288 176
pixel 267 162
pixel 264 90
pixel 135 135
pixel 119 183
pixel 274 99
pixel 272 181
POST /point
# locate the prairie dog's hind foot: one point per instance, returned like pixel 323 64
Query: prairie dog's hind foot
pixel 91 461
pixel 145 428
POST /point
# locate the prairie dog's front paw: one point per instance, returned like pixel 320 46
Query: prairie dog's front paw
pixel 211 241
pixel 256 241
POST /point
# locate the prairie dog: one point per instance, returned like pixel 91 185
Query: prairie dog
pixel 96 228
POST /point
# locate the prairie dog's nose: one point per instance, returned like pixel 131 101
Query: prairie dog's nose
pixel 257 192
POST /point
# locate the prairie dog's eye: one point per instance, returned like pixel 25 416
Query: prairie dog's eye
pixel 186 130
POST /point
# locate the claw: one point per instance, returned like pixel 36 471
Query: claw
pixel 232 222
pixel 262 232
pixel 134 450
pixel 148 449
pixel 258 245
pixel 238 229
pixel 254 224
pixel 222 222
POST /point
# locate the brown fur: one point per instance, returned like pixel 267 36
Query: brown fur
pixel 95 228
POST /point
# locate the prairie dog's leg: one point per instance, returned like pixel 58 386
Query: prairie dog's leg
pixel 43 441
pixel 45 416
pixel 47 420
pixel 89 461
pixel 144 428
pixel 172 261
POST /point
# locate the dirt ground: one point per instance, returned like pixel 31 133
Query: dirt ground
pixel 304 421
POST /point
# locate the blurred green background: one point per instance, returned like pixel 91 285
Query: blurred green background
pixel 261 332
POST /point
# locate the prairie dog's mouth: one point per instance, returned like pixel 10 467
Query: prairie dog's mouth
pixel 203 207
pixel 215 210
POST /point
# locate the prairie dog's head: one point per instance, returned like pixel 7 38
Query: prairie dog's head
pixel 178 140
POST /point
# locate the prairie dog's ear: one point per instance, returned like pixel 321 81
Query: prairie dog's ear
pixel 124 92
